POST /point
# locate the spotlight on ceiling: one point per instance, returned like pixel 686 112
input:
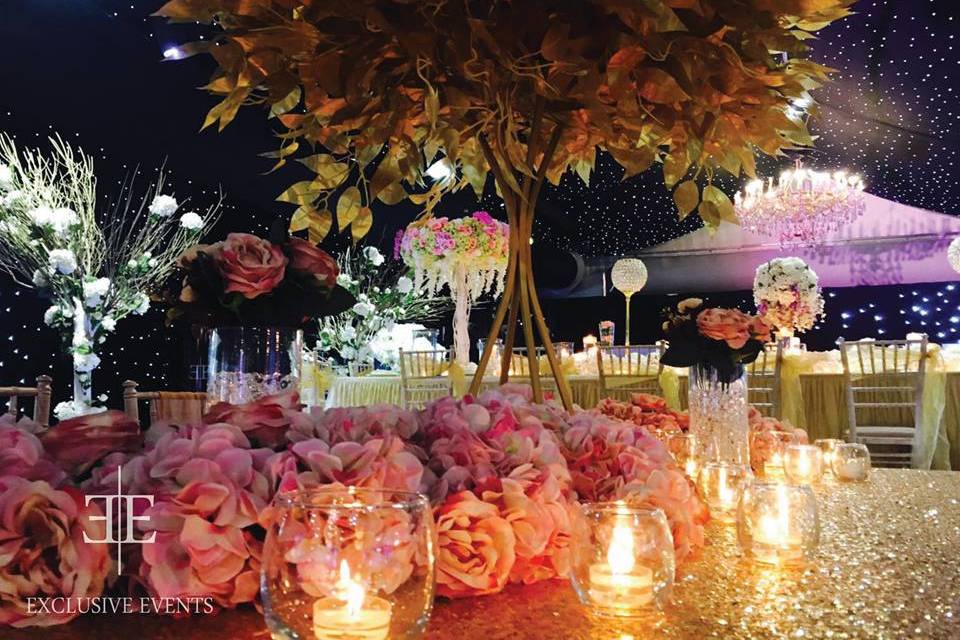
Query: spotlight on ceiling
pixel 172 53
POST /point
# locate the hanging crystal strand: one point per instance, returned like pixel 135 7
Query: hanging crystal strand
pixel 461 314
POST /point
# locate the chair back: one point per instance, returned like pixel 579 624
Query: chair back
pixel 763 380
pixel 176 406
pixel 41 400
pixel 520 367
pixel 421 378
pixel 884 382
pixel 628 369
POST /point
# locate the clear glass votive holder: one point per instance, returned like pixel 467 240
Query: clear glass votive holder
pixel 721 484
pixel 803 463
pixel 778 523
pixel 564 350
pixel 623 559
pixel 829 448
pixel 851 462
pixel 773 465
pixel 348 564
pixel 683 446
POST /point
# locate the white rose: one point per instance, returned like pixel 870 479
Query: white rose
pixel 13 198
pixel 363 309
pixel 191 221
pixel 163 206
pixel 94 291
pixel 63 218
pixel 6 177
pixel 348 333
pixel 343 280
pixel 40 216
pixel 62 260
pixel 50 315
pixel 108 323
pixel 404 285
pixel 373 255
pixel 85 362
pixel 142 304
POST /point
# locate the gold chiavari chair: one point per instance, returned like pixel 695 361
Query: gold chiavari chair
pixel 520 367
pixel 625 370
pixel 884 382
pixel 177 406
pixel 421 377
pixel 763 380
pixel 41 399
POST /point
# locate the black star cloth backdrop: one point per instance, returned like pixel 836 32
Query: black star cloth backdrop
pixel 105 76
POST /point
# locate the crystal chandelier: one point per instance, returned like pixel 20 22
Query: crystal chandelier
pixel 802 207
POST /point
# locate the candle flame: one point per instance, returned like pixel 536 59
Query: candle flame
pixel 620 554
pixel 725 490
pixel 350 590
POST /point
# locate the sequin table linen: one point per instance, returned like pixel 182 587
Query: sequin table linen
pixel 888 566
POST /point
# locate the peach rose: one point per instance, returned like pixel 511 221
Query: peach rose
pixel 305 256
pixel 265 420
pixel 730 325
pixel 43 553
pixel 250 265
pixel 476 547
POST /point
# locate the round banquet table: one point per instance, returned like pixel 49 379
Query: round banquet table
pixel 887 567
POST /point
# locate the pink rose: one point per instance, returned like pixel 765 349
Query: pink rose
pixel 730 325
pixel 78 443
pixel 306 256
pixel 43 553
pixel 476 547
pixel 760 330
pixel 250 265
pixel 265 420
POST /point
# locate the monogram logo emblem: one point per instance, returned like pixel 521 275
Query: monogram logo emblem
pixel 119 508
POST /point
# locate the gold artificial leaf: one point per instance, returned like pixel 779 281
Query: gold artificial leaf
pixel 675 165
pixel 656 85
pixel 348 206
pixel 285 104
pixel 330 173
pixel 722 204
pixel 686 197
pixel 709 214
pixel 317 223
pixel 362 223
pixel 300 193
pixel 393 193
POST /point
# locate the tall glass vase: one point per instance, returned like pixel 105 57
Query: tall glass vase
pixel 718 415
pixel 247 363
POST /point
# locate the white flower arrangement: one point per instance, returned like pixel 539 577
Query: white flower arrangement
pixel 788 296
pixel 386 298
pixel 96 266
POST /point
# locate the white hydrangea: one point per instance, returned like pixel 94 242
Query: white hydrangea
pixel 40 216
pixel 50 315
pixel 39 278
pixel 348 332
pixel 94 291
pixel 374 256
pixel 142 302
pixel 108 323
pixel 62 260
pixel 404 285
pixel 163 206
pixel 64 218
pixel 85 362
pixel 6 177
pixel 344 280
pixel 191 221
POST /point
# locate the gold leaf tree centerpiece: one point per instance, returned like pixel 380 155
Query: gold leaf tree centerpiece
pixel 419 99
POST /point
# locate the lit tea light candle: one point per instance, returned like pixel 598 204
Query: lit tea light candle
pixel 720 483
pixel 351 614
pixel 589 341
pixel 690 467
pixel 619 582
pixel 773 540
pixel 851 462
pixel 803 463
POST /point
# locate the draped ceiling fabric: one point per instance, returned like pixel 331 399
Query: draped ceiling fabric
pixel 890 244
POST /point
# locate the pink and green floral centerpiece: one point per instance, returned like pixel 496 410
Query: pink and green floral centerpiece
pixel 469 255
pixel 716 344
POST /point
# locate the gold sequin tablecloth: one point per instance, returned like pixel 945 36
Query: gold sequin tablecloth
pixel 888 566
